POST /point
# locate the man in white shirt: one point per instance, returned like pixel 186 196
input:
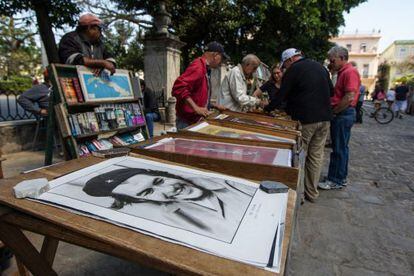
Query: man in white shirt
pixel 233 94
pixel 390 97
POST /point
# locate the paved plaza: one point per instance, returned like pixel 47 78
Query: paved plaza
pixel 366 229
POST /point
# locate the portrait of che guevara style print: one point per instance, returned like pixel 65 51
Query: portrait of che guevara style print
pixel 209 206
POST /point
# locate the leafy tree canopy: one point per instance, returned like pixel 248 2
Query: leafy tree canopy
pixel 60 11
pixel 263 27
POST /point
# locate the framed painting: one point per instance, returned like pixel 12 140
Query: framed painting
pixel 105 87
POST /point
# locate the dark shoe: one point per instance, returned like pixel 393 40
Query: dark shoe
pixel 308 198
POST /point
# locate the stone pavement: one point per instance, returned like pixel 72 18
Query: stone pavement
pixel 366 229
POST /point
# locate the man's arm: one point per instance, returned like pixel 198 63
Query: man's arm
pixel 183 85
pixel 238 90
pixel 345 102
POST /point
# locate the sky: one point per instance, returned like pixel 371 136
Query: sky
pixel 395 19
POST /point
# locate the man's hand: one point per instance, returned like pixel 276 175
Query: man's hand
pixel 202 111
pixel 43 112
pixel 110 66
pixel 263 103
pixel 96 71
pixel 258 93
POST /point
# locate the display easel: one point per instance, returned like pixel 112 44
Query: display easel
pixel 60 108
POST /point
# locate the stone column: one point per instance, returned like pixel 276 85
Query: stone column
pixel 162 55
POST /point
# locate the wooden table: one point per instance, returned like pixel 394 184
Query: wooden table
pixel 59 225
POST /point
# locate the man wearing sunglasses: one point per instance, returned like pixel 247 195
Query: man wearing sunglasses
pixel 84 46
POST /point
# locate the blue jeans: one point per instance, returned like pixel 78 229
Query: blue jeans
pixel 180 124
pixel 151 118
pixel 340 134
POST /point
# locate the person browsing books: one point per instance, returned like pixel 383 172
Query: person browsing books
pixel 84 46
pixel 151 111
pixel 193 89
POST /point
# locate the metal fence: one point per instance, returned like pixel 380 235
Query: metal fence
pixel 10 110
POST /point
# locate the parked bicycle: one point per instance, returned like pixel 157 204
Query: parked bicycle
pixel 382 115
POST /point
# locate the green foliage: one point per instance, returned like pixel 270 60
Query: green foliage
pixel 16 84
pixel 20 55
pixel 125 45
pixel 60 11
pixel 383 75
pixel 408 79
pixel 263 27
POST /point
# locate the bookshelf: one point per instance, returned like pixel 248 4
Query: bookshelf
pixel 89 125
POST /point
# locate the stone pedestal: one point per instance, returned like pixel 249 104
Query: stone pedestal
pixel 162 61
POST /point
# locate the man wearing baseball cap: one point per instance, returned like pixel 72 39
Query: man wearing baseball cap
pixel 306 88
pixel 193 89
pixel 84 46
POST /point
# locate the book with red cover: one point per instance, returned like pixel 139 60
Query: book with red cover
pixel 78 90
pixel 68 89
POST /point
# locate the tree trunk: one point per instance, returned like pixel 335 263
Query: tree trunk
pixel 45 30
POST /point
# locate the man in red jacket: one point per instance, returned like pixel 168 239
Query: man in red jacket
pixel 192 89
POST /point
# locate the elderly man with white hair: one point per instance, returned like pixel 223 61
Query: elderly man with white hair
pixel 233 94
pixel 84 46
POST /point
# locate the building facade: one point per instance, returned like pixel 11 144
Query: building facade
pixel 363 50
pixel 398 53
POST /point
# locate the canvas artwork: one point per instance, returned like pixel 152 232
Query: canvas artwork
pixel 252 154
pixel 206 128
pixel 246 121
pixel 211 212
pixel 105 87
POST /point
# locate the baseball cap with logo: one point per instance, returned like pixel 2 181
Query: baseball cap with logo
pixel 288 53
pixel 214 46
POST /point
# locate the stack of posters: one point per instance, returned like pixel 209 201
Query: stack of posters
pixel 219 150
pixel 206 128
pixel 251 122
pixel 214 213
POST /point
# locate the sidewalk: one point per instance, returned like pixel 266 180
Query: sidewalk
pixel 366 229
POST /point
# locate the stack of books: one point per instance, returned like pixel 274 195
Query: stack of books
pixel 86 148
pixel 106 117
pixel 72 90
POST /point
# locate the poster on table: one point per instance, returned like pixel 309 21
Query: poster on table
pixel 105 87
pixel 219 150
pixel 211 212
pixel 206 128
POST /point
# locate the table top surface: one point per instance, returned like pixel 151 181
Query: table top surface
pixel 169 255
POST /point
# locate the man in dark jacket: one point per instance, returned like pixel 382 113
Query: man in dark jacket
pixel 36 99
pixel 306 88
pixel 151 111
pixel 192 88
pixel 84 46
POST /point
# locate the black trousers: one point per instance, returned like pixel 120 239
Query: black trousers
pixel 358 112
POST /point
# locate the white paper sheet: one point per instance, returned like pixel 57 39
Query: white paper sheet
pixel 236 220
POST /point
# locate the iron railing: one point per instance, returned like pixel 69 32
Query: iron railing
pixel 10 110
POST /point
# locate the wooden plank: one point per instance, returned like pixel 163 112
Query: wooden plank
pixel 49 248
pixel 24 250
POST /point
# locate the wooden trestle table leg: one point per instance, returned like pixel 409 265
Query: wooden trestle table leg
pixel 24 250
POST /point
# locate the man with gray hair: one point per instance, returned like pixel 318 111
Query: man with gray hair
pixel 343 104
pixel 233 94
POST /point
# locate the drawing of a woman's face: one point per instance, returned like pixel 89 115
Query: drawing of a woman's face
pixel 158 188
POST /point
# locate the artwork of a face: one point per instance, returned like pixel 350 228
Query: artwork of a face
pixel 161 189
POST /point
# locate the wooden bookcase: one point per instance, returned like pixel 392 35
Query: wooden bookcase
pixel 61 109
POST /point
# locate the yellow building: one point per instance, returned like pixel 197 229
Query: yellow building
pixel 363 50
pixel 398 53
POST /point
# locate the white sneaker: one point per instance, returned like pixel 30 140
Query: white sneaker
pixel 329 185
